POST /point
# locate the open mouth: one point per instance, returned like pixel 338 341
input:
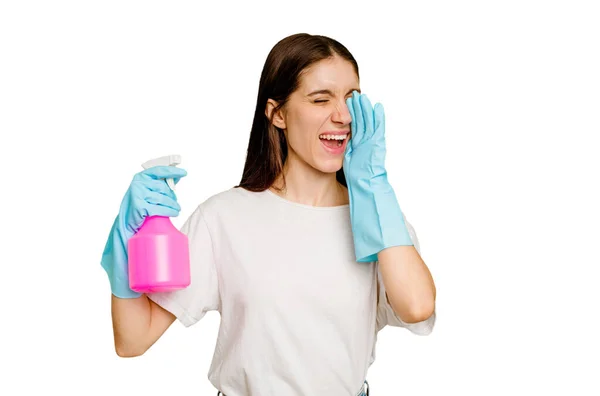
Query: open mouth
pixel 333 141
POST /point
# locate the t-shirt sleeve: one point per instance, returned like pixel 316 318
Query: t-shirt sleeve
pixel 190 305
pixel 385 313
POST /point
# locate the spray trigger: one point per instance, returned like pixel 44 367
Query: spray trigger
pixel 168 160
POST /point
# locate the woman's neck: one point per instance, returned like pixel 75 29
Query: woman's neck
pixel 308 186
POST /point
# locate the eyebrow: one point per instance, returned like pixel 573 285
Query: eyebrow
pixel 328 92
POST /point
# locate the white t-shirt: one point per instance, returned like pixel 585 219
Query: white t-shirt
pixel 299 316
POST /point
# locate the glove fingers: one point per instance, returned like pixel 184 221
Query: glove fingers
pixel 358 125
pixel 158 186
pixel 352 126
pixel 379 120
pixel 368 117
pixel 157 210
pixel 165 172
pixel 141 208
pixel 157 199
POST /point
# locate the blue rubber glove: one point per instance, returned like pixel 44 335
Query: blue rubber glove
pixel 376 218
pixel 147 195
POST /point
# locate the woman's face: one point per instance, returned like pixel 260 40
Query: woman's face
pixel 316 120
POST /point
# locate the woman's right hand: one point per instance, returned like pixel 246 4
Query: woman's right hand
pixel 147 195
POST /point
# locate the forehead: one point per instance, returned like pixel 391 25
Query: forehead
pixel 336 74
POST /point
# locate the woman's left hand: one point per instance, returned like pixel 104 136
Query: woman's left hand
pixel 377 220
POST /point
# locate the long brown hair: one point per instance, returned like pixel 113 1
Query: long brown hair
pixel 280 77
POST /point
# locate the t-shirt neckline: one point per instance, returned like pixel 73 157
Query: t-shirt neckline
pixel 321 208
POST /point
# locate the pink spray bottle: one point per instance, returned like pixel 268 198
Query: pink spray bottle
pixel 159 259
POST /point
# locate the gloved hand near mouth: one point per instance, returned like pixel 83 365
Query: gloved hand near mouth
pixel 376 217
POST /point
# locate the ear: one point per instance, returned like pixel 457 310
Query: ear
pixel 278 117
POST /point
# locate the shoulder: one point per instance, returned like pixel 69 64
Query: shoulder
pixel 213 209
pixel 227 198
pixel 234 201
pixel 230 212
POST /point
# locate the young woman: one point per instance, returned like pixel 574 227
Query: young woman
pixel 306 259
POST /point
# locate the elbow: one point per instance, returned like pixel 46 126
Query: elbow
pixel 415 313
pixel 126 354
pixel 423 309
pixel 422 314
pixel 125 351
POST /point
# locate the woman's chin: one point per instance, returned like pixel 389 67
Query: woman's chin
pixel 331 165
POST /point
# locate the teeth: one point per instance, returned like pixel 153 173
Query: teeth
pixel 333 137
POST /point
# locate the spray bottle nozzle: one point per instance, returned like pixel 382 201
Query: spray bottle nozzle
pixel 168 160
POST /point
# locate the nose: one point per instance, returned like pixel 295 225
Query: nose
pixel 341 114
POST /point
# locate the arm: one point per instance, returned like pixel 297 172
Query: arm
pixel 408 283
pixel 378 224
pixel 137 324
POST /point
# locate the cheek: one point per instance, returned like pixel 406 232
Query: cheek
pixel 304 127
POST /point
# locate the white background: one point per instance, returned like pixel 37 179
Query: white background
pixel 492 121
